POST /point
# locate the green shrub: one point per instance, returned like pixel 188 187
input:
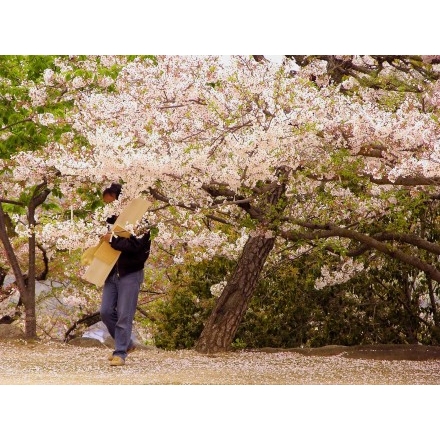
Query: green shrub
pixel 377 306
pixel 180 316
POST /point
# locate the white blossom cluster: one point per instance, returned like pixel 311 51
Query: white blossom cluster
pixel 217 289
pixel 331 276
pixel 181 126
pixel 68 235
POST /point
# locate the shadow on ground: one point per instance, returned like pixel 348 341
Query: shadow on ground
pixel 398 352
pixel 391 352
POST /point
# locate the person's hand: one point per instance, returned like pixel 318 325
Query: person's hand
pixel 106 237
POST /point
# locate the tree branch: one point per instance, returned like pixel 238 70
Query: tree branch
pixel 6 127
pixel 373 243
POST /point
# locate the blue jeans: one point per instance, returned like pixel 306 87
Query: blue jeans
pixel 118 306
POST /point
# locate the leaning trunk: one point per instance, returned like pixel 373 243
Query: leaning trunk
pixel 10 254
pixel 26 286
pixel 220 329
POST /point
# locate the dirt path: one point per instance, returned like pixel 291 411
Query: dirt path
pixel 56 363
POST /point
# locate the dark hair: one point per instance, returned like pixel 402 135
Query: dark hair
pixel 114 189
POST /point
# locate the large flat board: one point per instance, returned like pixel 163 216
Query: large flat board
pixel 101 264
pixel 104 257
pixel 132 213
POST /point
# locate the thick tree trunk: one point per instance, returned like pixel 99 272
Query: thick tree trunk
pixel 29 298
pixel 220 329
pixel 40 195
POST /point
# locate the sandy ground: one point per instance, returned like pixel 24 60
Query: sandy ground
pixel 190 395
pixel 53 363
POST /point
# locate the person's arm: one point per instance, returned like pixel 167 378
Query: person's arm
pixel 132 244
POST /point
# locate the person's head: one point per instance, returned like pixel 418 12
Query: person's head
pixel 111 193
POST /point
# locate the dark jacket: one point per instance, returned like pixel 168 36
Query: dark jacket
pixel 134 253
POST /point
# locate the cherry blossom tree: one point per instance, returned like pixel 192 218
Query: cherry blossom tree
pixel 34 109
pixel 245 156
pixel 22 129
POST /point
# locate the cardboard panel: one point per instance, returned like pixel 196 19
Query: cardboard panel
pixel 132 213
pixel 98 272
pixel 106 253
pixel 103 257
pixel 87 256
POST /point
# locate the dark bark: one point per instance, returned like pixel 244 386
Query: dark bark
pixel 385 248
pixel 221 327
pixel 43 274
pixel 13 261
pixel 223 322
pixel 10 254
pixel 29 297
pixel 375 242
pixel 3 274
pixel 25 283
pixel 87 321
pixel 39 196
pixel 338 69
